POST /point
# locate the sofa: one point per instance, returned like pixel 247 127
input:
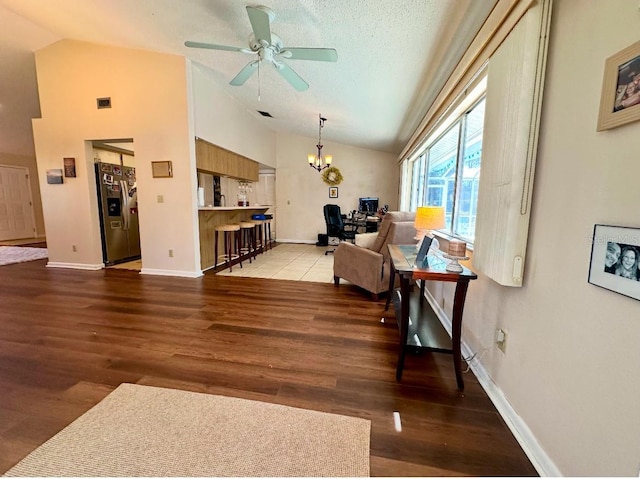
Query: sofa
pixel 366 263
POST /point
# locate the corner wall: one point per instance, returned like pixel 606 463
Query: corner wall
pixel 149 104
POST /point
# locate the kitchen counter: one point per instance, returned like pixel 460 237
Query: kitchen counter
pixel 211 216
pixel 232 208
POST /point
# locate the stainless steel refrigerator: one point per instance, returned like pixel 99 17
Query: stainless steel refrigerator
pixel 118 205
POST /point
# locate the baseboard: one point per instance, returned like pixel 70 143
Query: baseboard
pixel 536 454
pixel 296 241
pixel 170 272
pixel 88 267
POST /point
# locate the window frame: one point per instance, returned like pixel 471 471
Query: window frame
pixel 456 114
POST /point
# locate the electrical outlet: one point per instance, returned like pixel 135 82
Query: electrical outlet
pixel 160 199
pixel 170 253
pixel 74 248
pixel 501 339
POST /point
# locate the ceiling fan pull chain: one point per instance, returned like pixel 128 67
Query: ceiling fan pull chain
pixel 259 62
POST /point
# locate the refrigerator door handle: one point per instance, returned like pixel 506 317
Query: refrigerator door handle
pixel 124 193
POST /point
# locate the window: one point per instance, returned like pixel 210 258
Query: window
pixel 446 172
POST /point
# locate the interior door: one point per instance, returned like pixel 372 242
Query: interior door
pixel 16 208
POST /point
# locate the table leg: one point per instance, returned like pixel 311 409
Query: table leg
pixel 456 329
pixel 403 322
pixel 392 279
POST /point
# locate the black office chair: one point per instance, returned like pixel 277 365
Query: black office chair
pixel 335 225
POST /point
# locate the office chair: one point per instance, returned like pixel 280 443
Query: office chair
pixel 335 225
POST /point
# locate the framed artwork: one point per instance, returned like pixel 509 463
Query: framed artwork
pixel 620 98
pixel 333 192
pixel 614 265
pixel 69 167
pixel 54 177
pixel 161 169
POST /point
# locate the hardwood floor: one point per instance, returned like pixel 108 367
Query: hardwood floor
pixel 68 338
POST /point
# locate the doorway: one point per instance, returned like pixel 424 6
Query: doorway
pixel 114 163
pixel 17 218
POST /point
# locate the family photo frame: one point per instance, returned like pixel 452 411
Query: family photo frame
pixel 615 255
pixel 620 98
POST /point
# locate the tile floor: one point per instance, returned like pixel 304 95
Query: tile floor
pixel 297 262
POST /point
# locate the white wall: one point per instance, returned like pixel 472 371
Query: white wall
pixel 571 369
pixel 221 120
pixel 301 193
pixel 149 98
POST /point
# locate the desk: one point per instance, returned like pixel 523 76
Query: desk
pixel 369 224
pixel 417 321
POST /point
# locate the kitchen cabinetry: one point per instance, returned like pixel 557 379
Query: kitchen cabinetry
pixel 214 159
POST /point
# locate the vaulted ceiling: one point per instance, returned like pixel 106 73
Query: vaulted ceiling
pixel 393 57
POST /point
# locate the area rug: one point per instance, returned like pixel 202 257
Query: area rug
pixel 17 254
pixel 149 431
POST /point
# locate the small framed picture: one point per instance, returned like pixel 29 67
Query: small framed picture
pixel 161 169
pixel 615 254
pixel 333 192
pixel 620 98
pixel 54 177
pixel 69 167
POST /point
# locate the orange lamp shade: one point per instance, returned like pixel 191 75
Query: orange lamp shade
pixel 429 218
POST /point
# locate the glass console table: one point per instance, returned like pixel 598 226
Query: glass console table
pixel 417 321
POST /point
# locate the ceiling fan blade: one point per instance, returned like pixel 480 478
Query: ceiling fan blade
pixel 245 73
pixel 260 19
pixel 292 77
pixel 317 54
pixel 212 46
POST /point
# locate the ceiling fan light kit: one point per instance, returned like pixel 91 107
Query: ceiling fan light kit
pixel 270 49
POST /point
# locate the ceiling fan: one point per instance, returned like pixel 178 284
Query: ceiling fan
pixel 270 48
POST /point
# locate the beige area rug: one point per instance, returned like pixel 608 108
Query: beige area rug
pixel 17 254
pixel 149 431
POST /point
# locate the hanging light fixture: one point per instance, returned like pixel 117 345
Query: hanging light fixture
pixel 320 161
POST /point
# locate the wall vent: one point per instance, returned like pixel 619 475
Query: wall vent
pixel 104 102
pixel 265 113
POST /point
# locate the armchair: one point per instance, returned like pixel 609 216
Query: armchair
pixel 368 267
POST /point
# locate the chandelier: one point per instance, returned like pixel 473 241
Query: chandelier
pixel 320 161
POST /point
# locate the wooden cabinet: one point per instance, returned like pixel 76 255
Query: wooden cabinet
pixel 216 160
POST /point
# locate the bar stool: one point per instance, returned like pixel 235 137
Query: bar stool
pixel 231 244
pixel 258 238
pixel 247 238
pixel 267 230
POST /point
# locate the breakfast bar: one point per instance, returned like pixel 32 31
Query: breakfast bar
pixel 212 216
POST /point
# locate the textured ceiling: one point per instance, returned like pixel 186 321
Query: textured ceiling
pixel 393 55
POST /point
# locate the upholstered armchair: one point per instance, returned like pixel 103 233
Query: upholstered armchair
pixel 368 266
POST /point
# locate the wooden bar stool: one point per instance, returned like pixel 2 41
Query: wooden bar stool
pixel 247 238
pixel 231 244
pixel 258 238
pixel 267 231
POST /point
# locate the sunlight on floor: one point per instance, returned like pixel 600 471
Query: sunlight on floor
pixel 298 262
pixel 135 265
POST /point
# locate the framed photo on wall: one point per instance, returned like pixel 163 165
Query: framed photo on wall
pixel 161 169
pixel 54 177
pixel 615 255
pixel 69 167
pixel 620 98
pixel 333 192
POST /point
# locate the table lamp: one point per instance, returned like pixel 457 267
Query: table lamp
pixel 428 218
